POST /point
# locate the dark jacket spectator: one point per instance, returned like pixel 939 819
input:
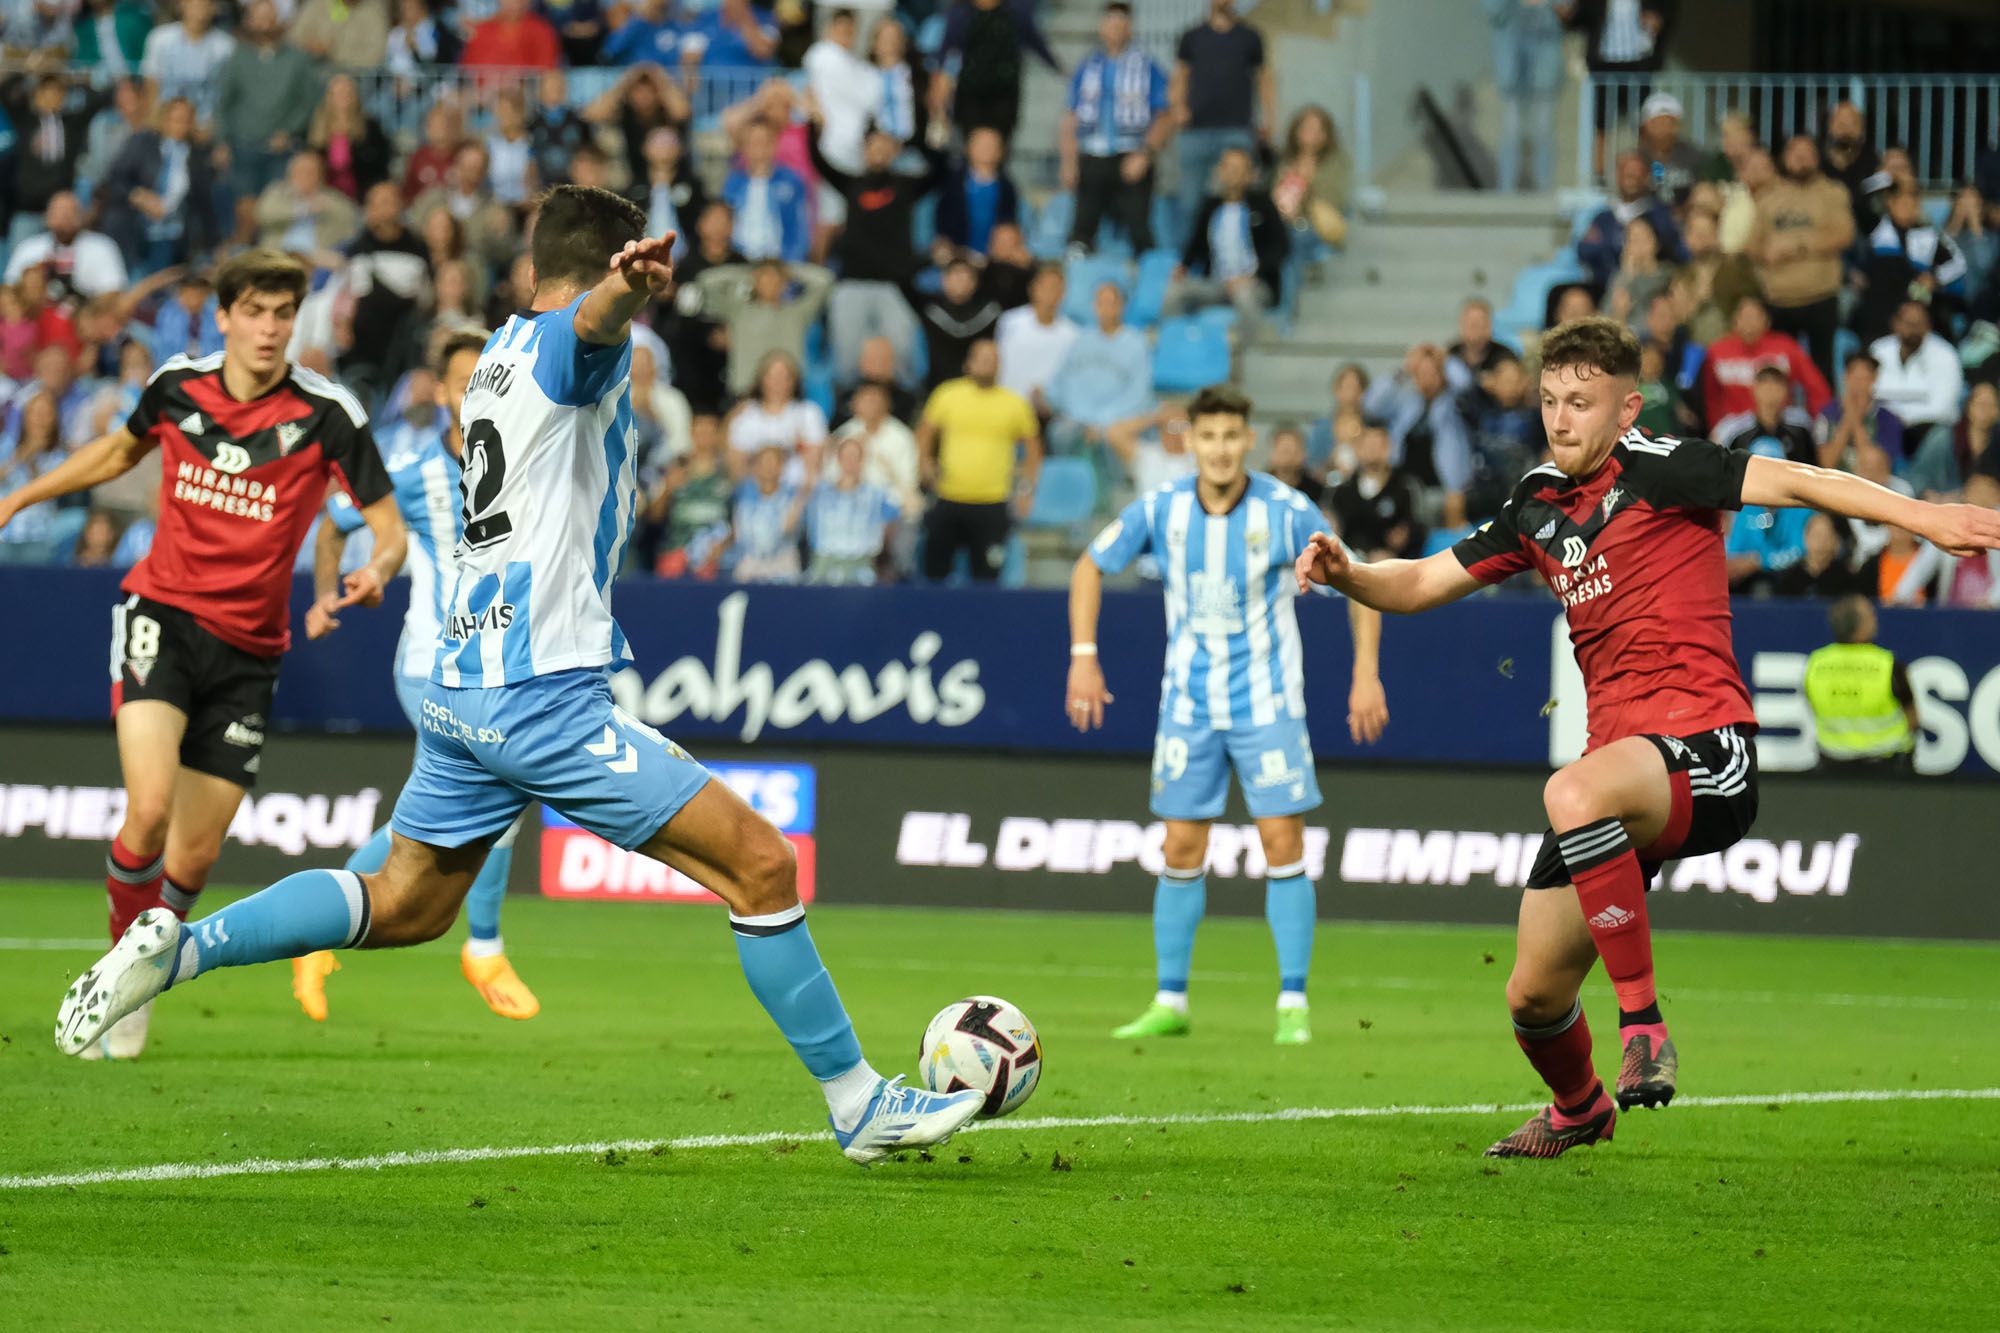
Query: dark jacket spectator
pixel 1268 237
pixel 982 59
pixel 1603 242
pixel 876 245
pixel 157 198
pixel 954 318
pixel 356 150
pixel 1375 509
pixel 554 127
pixel 51 131
pixel 1624 40
pixel 1848 157
pixel 978 194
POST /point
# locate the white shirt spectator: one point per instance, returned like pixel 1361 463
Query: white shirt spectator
pixel 1924 389
pixel 1230 253
pixel 1031 352
pixel 1153 467
pixel 508 172
pixel 91 263
pixel 799 422
pixel 848 90
pixel 185 66
pixel 891 460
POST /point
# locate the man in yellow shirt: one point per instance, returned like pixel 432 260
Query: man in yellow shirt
pixel 982 448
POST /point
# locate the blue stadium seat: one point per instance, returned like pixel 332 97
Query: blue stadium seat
pixel 1086 273
pixel 1580 222
pixel 1149 289
pixel 923 223
pixel 1527 301
pixel 1190 354
pixel 1048 233
pixel 1166 219
pixel 819 389
pixel 1443 539
pixel 1065 494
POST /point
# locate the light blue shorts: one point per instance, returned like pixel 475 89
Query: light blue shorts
pixel 482 755
pixel 410 694
pixel 1273 763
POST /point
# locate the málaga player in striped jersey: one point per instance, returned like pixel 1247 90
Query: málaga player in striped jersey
pixel 519 706
pixel 424 472
pixel 1232 695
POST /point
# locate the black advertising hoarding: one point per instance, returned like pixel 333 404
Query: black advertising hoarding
pixel 930 828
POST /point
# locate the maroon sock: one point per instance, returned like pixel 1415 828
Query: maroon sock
pixel 131 883
pixel 1560 1053
pixel 1611 888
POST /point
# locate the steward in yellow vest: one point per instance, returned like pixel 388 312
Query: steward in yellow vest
pixel 1862 704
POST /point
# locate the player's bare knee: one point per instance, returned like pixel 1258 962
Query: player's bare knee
pixel 1534 1000
pixel 1185 850
pixel 398 918
pixel 767 879
pixel 1571 801
pixel 144 832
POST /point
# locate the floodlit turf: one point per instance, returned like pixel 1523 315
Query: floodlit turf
pixel 1793 1215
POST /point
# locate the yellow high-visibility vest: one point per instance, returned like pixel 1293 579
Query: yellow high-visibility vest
pixel 1851 688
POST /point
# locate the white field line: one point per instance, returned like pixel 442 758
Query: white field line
pixel 270 1166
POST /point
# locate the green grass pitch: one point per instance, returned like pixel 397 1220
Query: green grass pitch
pixel 1766 1213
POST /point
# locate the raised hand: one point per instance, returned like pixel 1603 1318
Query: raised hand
pixel 1961 529
pixel 647 263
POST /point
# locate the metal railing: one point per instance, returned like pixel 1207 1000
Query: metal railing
pixel 1943 122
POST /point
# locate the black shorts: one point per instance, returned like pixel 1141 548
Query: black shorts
pixel 1714 777
pixel 161 652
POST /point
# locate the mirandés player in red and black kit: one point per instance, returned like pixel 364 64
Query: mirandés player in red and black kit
pixel 249 444
pixel 1628 530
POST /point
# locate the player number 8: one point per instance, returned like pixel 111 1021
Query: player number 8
pixel 144 640
pixel 1170 758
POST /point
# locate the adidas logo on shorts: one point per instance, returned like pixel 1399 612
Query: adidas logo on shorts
pixel 1611 918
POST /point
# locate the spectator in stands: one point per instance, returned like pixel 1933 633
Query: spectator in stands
pixel 1640 276
pixel 157 199
pixel 73 260
pixel 1528 72
pixel 131 110
pixel 1855 424
pixel 444 133
pixel 514 38
pixel 1852 162
pixel 1116 124
pixel 57 380
pixel 848 520
pixel 185 325
pixel 1763 543
pixel 1107 377
pixel 1287 462
pixel 1035 340
pixel 1826 568
pixel 879 365
pixel 1309 185
pixel 40 26
pixel 1603 242
pixel 669 189
pixel 348 34
pixel 184 58
pixel 1715 281
pixel 97 543
pixel 1620 37
pixel 419 38
pixel 955 318
pixel 1740 202
pixel 771 203
pixel 354 147
pixel 1673 163
pixel 1375 509
pixel 766 309
pixel 1427 429
pixel 1974 230
pixel 776 415
pixel 387 278
pixel 764 535
pixel 660 411
pixel 556 131
pixel 980 448
pixel 264 100
pixel 890 447
pixel 1330 443
pixel 696 341
pixel 1010 266
pixel 1909 258
pixel 1804 226
pixel 51 131
pixel 646 33
pixel 580 25
pixel 1665 410
pixel 110 36
pixel 32 446
pixel 685 525
pixel 1475 354
pixel 1968 582
pixel 903 109
pixel 1955 451
pixel 1504 414
pixel 302 213
pixel 1730 370
pixel 511 152
pixel 1153 446
pixel 844 91
pixel 978 194
pixel 644 99
pixel 20 337
pixel 1738 140
pixel 466 194
pixel 1236 249
pixel 1920 379
pixel 980 63
pixel 876 252
pixel 732 35
pixel 1773 418
pixel 1224 95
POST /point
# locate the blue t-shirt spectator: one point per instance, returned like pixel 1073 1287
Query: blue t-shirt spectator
pixel 1115 99
pixel 642 41
pixel 773 214
pixel 1106 378
pixel 722 43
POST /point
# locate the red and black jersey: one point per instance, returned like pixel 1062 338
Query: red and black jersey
pixel 1634 553
pixel 240 485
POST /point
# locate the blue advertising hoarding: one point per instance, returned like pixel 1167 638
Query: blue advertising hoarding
pixel 980 668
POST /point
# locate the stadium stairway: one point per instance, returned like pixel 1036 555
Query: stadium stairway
pixel 1400 280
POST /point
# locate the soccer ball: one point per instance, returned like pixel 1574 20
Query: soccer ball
pixel 985 1043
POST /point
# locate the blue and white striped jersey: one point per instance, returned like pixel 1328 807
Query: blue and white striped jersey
pixel 423 474
pixel 549 485
pixel 1233 656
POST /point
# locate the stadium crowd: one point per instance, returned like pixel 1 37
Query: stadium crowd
pixel 898 333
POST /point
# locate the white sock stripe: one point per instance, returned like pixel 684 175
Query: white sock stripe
pixel 1555 1029
pixel 1292 871
pixel 357 903
pixel 780 918
pixel 1184 876
pixel 1591 840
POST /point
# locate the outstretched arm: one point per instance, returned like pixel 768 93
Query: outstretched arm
pixel 642 270
pixel 1958 529
pixel 1367 703
pixel 1086 696
pixel 1396 586
pixel 99 461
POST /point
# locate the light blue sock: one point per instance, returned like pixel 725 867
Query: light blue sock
pixel 1179 900
pixel 483 899
pixel 372 855
pixel 788 979
pixel 314 909
pixel 1290 907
